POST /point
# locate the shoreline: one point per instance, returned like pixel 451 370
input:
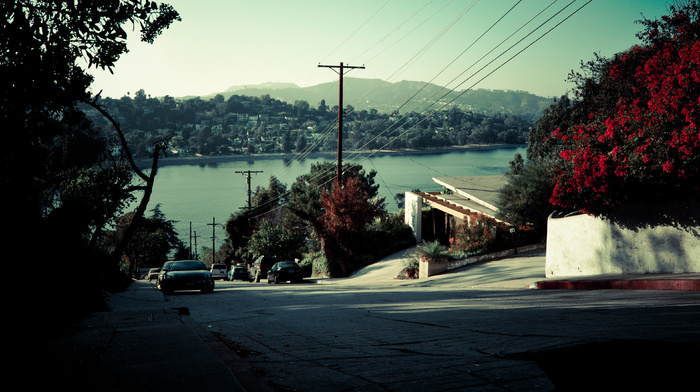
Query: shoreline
pixel 213 160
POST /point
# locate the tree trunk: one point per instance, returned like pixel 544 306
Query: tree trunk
pixel 147 189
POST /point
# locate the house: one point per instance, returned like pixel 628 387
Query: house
pixel 461 198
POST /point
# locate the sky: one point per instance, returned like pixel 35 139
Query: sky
pixel 527 45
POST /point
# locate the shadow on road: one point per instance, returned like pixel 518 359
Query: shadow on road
pixel 619 365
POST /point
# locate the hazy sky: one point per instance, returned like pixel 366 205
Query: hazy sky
pixel 222 43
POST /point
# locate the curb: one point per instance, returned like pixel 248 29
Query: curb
pixel 621 284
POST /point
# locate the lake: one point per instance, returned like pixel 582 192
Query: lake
pixel 204 194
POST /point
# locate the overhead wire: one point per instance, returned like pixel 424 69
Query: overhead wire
pixel 397 28
pixel 358 29
pixel 308 150
pixel 500 66
pixel 501 43
pixel 445 68
pixel 493 49
pixel 433 41
pixel 368 156
pixel 422 23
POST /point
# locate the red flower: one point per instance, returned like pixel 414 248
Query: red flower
pixel 668 167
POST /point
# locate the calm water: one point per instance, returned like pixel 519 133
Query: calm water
pixel 201 195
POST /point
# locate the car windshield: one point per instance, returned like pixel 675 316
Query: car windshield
pixel 287 264
pixel 188 266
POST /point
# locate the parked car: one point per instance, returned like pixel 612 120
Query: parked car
pixel 163 270
pixel 260 267
pixel 218 271
pixel 186 275
pixel 153 274
pixel 238 272
pixel 285 271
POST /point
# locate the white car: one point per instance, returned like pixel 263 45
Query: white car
pixel 219 271
pixel 153 273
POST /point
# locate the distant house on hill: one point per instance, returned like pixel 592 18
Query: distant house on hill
pixel 462 198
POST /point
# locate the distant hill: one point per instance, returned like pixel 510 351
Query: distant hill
pixel 406 96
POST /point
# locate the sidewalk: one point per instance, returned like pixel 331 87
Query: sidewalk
pixel 142 345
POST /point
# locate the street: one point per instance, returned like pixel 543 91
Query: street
pixel 453 334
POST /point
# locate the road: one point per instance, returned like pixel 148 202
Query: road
pixel 471 329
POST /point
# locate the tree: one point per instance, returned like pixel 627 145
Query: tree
pixel 301 143
pixel 307 203
pixel 637 138
pixel 555 117
pixel 347 212
pixel 45 48
pixel 305 194
pixel 152 241
pixel 524 200
pixel 274 240
pixel 266 213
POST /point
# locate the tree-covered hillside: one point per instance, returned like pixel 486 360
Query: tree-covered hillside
pixel 244 124
pixel 405 96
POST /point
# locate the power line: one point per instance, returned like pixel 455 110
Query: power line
pixel 487 75
pixel 481 69
pixel 500 66
pixel 358 29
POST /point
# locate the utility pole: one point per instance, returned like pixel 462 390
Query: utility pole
pixel 213 239
pixel 340 113
pixel 249 172
pixel 196 256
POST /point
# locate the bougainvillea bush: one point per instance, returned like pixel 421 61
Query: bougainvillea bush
pixel 636 136
pixel 477 235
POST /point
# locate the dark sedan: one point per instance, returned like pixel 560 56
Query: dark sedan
pixel 285 271
pixel 186 275
pixel 162 272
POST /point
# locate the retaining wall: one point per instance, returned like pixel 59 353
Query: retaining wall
pixel 581 244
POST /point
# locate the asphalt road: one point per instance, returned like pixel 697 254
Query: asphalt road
pixel 475 329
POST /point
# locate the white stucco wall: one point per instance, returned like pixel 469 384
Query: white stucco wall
pixel 413 216
pixel 586 245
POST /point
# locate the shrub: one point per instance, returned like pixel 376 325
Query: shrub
pixel 478 235
pixel 637 135
pixel 433 251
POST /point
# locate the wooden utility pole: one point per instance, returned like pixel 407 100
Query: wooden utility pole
pixel 213 240
pixel 196 256
pixel 340 113
pixel 249 172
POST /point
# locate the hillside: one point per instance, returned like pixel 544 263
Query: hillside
pixel 405 96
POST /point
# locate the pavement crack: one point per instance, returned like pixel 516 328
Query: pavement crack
pixel 414 352
pixel 411 322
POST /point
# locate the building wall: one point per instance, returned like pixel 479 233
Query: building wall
pixel 585 245
pixel 413 208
